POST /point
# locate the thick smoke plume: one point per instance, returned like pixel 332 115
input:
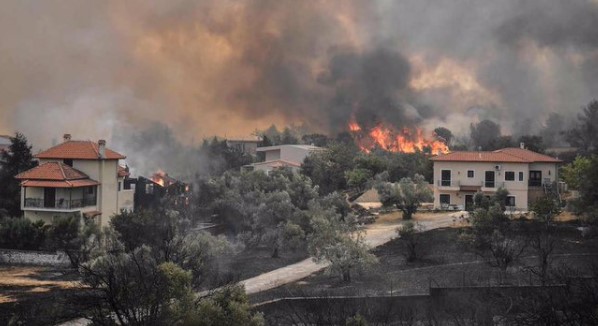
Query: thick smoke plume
pixel 100 69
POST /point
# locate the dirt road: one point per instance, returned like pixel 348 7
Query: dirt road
pixel 376 234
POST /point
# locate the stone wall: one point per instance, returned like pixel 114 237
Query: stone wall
pixel 36 258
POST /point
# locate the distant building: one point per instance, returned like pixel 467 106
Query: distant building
pixel 525 174
pixel 76 177
pixel 160 191
pixel 246 145
pixel 282 156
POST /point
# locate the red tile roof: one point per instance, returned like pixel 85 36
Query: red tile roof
pixel 529 155
pixel 78 150
pixel 59 184
pixel 506 155
pixel 52 171
pixel 55 175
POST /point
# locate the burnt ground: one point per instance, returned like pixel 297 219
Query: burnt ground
pixel 445 262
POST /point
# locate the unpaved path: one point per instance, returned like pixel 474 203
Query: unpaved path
pixel 376 234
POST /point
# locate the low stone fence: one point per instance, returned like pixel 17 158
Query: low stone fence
pixel 35 258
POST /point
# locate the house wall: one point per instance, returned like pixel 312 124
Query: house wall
pixel 294 154
pixel 273 155
pixel 105 172
pixel 516 188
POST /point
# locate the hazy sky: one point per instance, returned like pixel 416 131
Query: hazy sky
pixel 96 68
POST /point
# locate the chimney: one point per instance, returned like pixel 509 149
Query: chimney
pixel 522 145
pixel 102 148
pixel 66 137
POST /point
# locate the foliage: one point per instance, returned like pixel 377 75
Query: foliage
pixel 66 234
pixel 484 134
pixel 583 175
pixel 357 320
pixel 262 210
pixel 409 237
pixel 337 240
pixel 315 139
pixel 219 157
pixel 533 143
pixel 541 234
pixel 327 169
pixel 136 288
pixel 17 159
pixel 227 306
pixel 493 233
pixel 406 195
pixel 170 240
pixel 583 135
pixel 500 197
pixel 21 233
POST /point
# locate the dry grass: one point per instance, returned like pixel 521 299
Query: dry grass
pixel 23 280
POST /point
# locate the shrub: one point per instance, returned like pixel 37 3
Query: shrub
pixel 21 233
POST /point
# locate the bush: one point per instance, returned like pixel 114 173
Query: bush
pixel 21 233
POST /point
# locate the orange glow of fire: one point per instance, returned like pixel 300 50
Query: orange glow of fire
pixel 158 177
pixel 404 141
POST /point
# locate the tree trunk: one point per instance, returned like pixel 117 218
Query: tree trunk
pixel 275 252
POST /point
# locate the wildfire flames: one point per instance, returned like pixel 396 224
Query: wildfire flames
pixel 387 138
pixel 159 177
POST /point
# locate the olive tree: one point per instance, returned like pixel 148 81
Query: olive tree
pixel 407 195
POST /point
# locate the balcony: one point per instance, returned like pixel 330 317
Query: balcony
pixel 492 185
pixel 60 204
pixel 447 184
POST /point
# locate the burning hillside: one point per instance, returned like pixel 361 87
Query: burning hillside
pixel 405 140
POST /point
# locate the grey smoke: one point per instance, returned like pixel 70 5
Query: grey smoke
pixel 98 68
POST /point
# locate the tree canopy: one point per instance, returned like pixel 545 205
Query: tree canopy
pixel 17 159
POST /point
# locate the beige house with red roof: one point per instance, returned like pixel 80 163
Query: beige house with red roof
pixel 282 156
pixel 525 174
pixel 80 177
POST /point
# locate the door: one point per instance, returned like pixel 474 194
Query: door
pixel 489 180
pixel 535 178
pixel 50 197
pixel 468 202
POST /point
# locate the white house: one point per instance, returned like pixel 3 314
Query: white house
pixel 525 174
pixel 81 177
pixel 282 156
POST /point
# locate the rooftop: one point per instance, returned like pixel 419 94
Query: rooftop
pixel 506 155
pixel 55 175
pixel 78 150
pixel 271 148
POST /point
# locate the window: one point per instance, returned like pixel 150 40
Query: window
pixel 535 178
pixel 509 176
pixel 520 176
pixel 149 188
pixel 119 186
pixel 68 162
pixel 470 174
pixel 510 201
pixel 445 199
pixel 89 190
pixel 445 178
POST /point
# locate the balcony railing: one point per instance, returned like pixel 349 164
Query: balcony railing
pixel 447 183
pixel 493 184
pixel 60 203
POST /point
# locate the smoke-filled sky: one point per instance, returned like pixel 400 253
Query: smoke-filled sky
pixel 224 67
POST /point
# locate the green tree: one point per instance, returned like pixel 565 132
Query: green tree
pixel 583 176
pixel 327 169
pixel 21 233
pixel 338 241
pixel 407 195
pixel 17 159
pixel 227 306
pixel 541 233
pixel 75 240
pixel 583 135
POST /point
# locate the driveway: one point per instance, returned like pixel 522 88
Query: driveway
pixel 376 235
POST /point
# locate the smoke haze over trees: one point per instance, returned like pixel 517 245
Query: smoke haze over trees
pixel 227 68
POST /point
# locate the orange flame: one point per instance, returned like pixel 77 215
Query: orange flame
pixel 158 177
pixel 404 141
